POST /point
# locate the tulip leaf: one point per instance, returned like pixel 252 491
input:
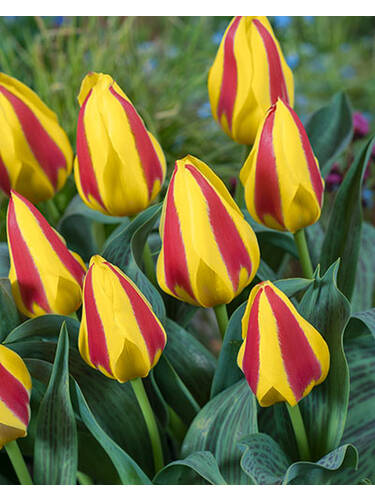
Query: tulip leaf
pixel 364 288
pixel 4 260
pixel 126 250
pixel 330 130
pixel 9 317
pixel 263 460
pixel 343 235
pixel 43 327
pixel 56 446
pixel 360 425
pixel 128 470
pixel 113 405
pixel 337 467
pixel 314 237
pixel 201 463
pixel 174 391
pixel 193 363
pixel 222 422
pixel 293 286
pixel 228 372
pixel 324 409
pixel 361 324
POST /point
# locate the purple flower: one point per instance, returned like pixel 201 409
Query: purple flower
pixel 334 178
pixel 360 124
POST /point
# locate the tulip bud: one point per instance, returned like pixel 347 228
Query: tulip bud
pixel 120 334
pixel 15 388
pixel 282 356
pixel 248 75
pixel 120 166
pixel 45 276
pixel 209 252
pixel 35 154
pixel 281 176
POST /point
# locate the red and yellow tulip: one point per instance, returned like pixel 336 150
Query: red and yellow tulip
pixel 282 356
pixel 209 252
pixel 15 388
pixel 120 166
pixel 281 176
pixel 45 276
pixel 35 154
pixel 120 335
pixel 248 75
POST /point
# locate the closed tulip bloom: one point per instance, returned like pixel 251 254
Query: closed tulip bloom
pixel 281 176
pixel 15 388
pixel 209 252
pixel 120 335
pixel 45 276
pixel 35 154
pixel 120 166
pixel 248 75
pixel 282 356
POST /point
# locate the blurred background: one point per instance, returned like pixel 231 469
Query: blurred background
pixel 162 65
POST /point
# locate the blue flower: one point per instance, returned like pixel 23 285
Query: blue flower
pixel 204 111
pixel 282 21
pixel 347 71
pixel 216 37
pixel 309 19
pixel 292 60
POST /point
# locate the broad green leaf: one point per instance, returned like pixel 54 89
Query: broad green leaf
pixel 360 425
pixel 4 260
pixel 174 391
pixel 9 317
pixel 227 418
pixel 201 463
pixel 361 323
pixel 293 286
pixel 126 250
pixel 265 272
pixel 364 288
pixel 330 130
pixel 56 447
pixel 263 460
pixel 314 237
pixel 227 371
pixel 193 363
pixel 43 327
pixel 128 470
pixel 324 409
pixel 337 467
pixel 343 235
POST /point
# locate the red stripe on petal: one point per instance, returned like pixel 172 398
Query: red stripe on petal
pixel 28 278
pixel 150 162
pixel 250 362
pixel 4 178
pixel 45 150
pixel 277 82
pixel 267 198
pixel 150 329
pixel 229 79
pixel 175 263
pixel 315 176
pixel 231 246
pixel 86 169
pixel 96 339
pixel 66 258
pixel 14 395
pixel 300 362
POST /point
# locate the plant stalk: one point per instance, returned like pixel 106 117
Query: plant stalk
pixel 222 318
pixel 299 431
pixel 303 251
pixel 18 462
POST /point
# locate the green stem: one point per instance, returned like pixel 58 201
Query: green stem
pixel 83 478
pixel 299 431
pixel 303 251
pixel 149 264
pixel 149 417
pixel 15 456
pixel 52 212
pixel 222 318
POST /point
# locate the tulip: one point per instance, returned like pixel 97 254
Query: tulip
pixel 45 276
pixel 15 388
pixel 281 176
pixel 282 356
pixel 209 252
pixel 248 75
pixel 35 154
pixel 119 334
pixel 120 166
